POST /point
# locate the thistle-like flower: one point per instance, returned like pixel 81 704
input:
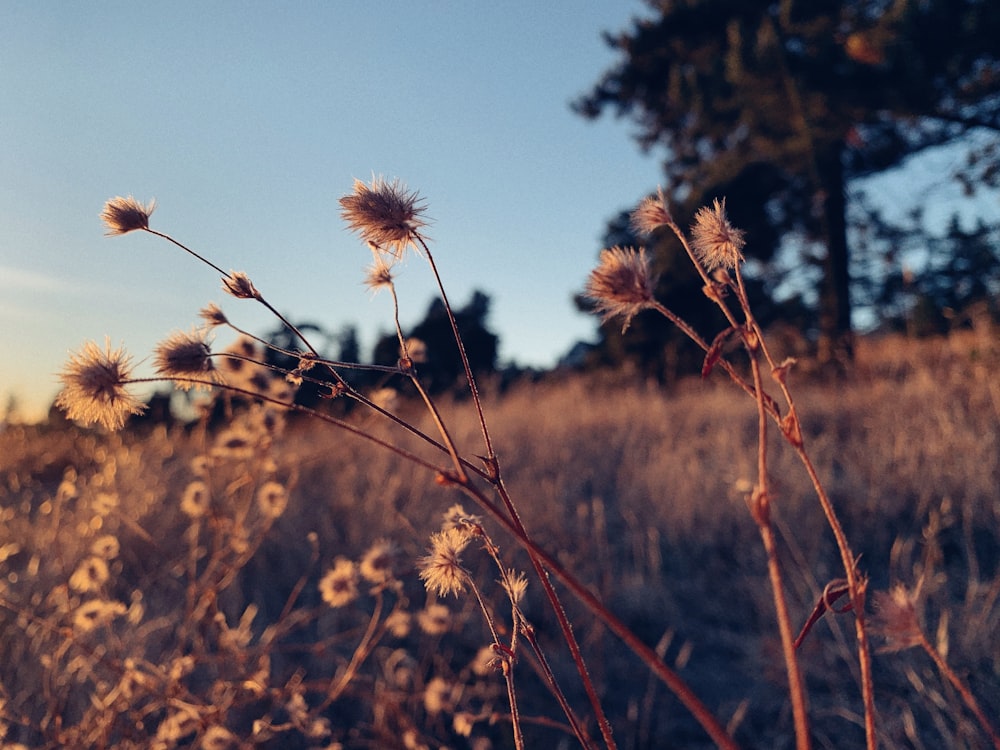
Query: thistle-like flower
pixel 94 386
pixel 651 214
pixel 716 242
pixel 239 285
pixel 213 316
pixel 123 215
pixel 622 284
pixel 186 355
pixel 441 570
pixel 384 214
pixel 378 275
pixel 896 619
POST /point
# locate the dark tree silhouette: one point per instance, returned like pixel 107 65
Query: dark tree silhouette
pixel 441 369
pixel 780 104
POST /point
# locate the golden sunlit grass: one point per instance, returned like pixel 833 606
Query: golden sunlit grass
pixel 366 577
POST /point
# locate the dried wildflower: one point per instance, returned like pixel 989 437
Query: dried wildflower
pixel 456 518
pixel 106 547
pixel 896 619
pixel 385 214
pixel 122 215
pixel 622 284
pixel 185 355
pixel 94 386
pixel 651 214
pixel 95 613
pixel 437 696
pixel 442 570
pixel 340 585
pixel 239 285
pixel 236 444
pixel 377 562
pixel 716 242
pixel 89 575
pixel 213 316
pixel 515 583
pixel 272 499
pixel 485 661
pixel 196 499
pixel 434 619
pixel 398 623
pixel 378 275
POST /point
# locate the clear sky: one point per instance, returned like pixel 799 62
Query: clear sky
pixel 248 120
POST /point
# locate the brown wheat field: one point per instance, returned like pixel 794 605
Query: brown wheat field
pixel 155 595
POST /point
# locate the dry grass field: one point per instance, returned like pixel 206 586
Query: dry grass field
pixel 173 587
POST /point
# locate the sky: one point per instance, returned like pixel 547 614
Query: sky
pixel 246 121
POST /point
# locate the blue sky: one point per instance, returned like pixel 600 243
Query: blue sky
pixel 248 120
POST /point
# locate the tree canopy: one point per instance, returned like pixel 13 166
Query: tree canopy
pixel 779 105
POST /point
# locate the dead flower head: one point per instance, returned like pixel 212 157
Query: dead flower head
pixel 213 316
pixel 272 499
pixel 651 214
pixel 340 585
pixel 378 275
pixel 896 619
pixel 385 214
pixel 434 619
pixel 94 383
pixel 441 570
pixel 378 562
pixel 123 215
pixel 716 242
pixel 239 285
pixel 622 284
pixel 185 356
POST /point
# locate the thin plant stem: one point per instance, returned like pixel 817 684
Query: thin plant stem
pixel 473 388
pixel 760 509
pixel 364 648
pixel 963 690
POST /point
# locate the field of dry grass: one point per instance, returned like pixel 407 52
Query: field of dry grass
pixel 214 630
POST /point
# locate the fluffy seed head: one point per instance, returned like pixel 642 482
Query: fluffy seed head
pixel 122 215
pixel 622 284
pixel 213 316
pixel 185 355
pixel 239 285
pixel 896 619
pixel 651 214
pixel 94 383
pixel 385 214
pixel 716 242
pixel 442 570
